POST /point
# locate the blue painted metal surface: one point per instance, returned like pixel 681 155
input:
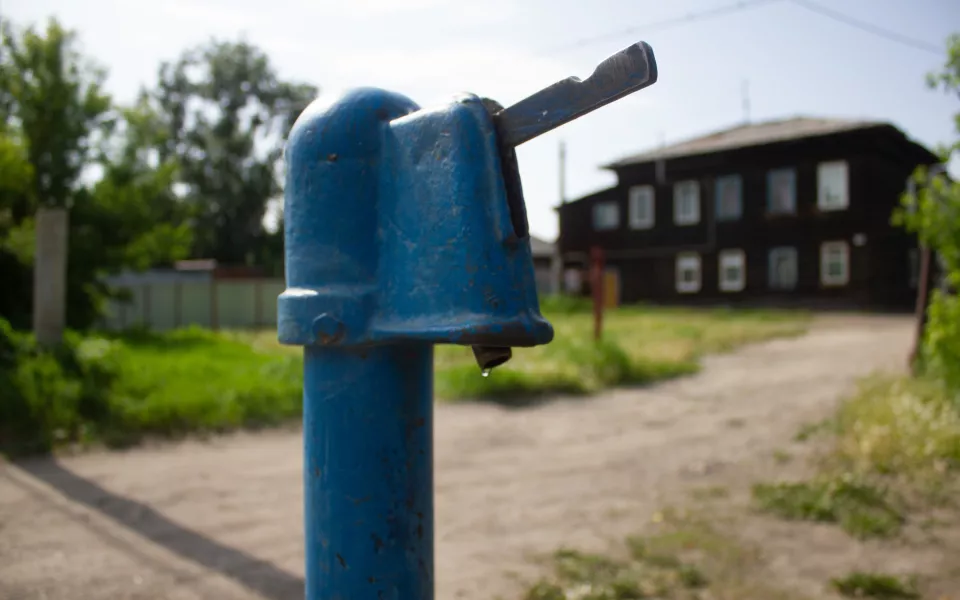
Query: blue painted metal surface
pixel 368 466
pixel 398 236
pixel 404 228
pixel 398 228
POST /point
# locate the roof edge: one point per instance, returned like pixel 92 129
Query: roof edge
pixel 864 126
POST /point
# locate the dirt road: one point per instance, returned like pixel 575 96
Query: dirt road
pixel 222 519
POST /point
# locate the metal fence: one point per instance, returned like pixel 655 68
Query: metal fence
pixel 169 301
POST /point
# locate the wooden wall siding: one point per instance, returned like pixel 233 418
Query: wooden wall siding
pixel 877 169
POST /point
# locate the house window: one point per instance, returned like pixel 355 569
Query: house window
pixel 686 202
pixel 606 215
pixel 733 270
pixel 832 186
pixel 688 273
pixel 572 281
pixel 782 192
pixel 783 268
pixel 729 194
pixel 834 263
pixel 641 207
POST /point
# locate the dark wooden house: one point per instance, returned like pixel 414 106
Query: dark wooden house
pixel 789 212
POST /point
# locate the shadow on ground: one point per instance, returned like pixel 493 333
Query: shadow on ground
pixel 255 574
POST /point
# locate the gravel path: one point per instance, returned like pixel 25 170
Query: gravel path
pixel 222 518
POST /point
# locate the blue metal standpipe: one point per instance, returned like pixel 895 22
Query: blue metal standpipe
pixel 405 228
pixel 368 472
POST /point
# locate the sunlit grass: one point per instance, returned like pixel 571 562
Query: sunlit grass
pixel 640 345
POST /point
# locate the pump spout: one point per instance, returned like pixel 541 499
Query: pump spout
pixel 489 357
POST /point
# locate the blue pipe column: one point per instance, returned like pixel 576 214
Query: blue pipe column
pixel 398 235
pixel 368 472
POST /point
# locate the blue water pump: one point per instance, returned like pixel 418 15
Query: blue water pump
pixel 404 228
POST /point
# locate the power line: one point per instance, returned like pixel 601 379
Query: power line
pixel 868 27
pixel 736 7
pixel 660 25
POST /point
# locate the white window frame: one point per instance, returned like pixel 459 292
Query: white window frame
pixel 719 186
pixel 826 251
pixel 684 213
pixel 642 195
pixel 685 261
pixel 609 205
pixel 830 176
pixel 572 280
pixel 791 173
pixel 725 260
pixel 773 281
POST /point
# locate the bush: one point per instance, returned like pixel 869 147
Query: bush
pixel 121 388
pixel 940 356
pixel 50 394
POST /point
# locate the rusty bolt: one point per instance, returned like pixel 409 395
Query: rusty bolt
pixel 327 329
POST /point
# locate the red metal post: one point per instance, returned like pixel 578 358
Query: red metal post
pixel 596 286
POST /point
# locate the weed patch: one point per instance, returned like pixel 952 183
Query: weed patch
pixel 905 427
pixel 875 585
pixel 861 509
pixel 684 559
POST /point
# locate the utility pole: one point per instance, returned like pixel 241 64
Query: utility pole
pixel 745 99
pixel 556 263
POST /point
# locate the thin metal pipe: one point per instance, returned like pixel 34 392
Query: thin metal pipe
pixel 368 472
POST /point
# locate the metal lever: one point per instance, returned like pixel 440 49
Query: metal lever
pixel 625 72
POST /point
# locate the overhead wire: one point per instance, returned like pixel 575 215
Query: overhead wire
pixel 741 6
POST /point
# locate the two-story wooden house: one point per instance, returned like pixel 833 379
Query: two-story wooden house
pixel 789 212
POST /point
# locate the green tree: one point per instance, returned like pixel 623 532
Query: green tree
pixel 932 211
pixel 57 125
pixel 16 235
pixel 55 99
pixel 226 113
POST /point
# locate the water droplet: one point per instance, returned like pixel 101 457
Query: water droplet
pixel 485 372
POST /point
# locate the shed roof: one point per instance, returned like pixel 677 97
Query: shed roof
pixel 752 134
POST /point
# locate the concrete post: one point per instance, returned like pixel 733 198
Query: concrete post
pixel 50 275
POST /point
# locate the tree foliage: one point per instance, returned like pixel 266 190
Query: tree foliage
pixel 54 97
pixel 226 113
pixel 187 170
pixel 57 125
pixel 932 211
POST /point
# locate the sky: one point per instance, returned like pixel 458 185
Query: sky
pixel 795 61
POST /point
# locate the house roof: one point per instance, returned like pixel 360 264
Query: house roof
pixel 540 247
pixel 753 134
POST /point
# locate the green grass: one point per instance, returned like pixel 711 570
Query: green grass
pixel 903 427
pixel 861 509
pixel 684 558
pixel 889 448
pixel 875 585
pixel 641 344
pixel 119 388
pixel 195 380
pixel 595 577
